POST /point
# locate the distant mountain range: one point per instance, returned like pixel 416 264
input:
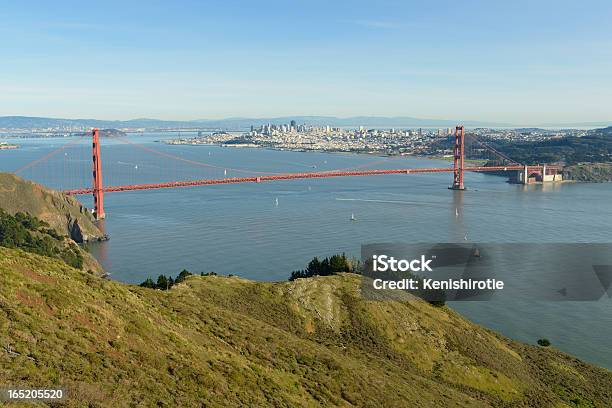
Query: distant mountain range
pixel 240 123
pixel 32 122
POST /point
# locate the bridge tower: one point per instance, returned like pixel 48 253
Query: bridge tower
pixel 98 192
pixel 459 157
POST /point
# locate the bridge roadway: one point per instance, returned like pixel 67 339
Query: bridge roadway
pixel 293 176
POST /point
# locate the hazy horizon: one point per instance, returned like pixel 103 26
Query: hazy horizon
pixel 369 119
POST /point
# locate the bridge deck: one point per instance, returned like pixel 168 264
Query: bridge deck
pixel 293 176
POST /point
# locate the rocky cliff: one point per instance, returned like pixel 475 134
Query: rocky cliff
pixel 63 213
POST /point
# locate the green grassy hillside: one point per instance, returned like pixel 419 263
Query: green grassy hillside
pixel 221 341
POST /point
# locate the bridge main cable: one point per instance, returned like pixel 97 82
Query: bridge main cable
pixel 189 161
pixel 48 155
pixel 202 164
pixel 293 176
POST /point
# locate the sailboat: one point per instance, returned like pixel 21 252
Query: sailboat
pixel 276 201
pixel 353 217
pixel 225 172
pixel 456 212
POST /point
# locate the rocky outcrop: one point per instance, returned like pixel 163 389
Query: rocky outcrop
pixel 63 213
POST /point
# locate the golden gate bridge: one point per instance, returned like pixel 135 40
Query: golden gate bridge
pixel 98 189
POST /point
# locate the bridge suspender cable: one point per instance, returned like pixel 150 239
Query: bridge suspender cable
pixel 492 149
pixel 48 155
pixel 196 163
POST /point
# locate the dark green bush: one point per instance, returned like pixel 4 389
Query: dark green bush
pixel 27 232
pixel 164 282
pixel 328 266
pixel 544 342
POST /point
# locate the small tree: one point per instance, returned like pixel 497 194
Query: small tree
pixel 325 268
pixel 162 282
pixel 182 276
pixel 314 267
pixel 148 283
pixel 339 263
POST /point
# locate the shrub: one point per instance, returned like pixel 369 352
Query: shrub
pixel 182 275
pixel 148 283
pixel 164 282
pixel 72 256
pixel 211 273
pixel 544 342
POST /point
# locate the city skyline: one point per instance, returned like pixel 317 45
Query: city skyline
pixel 517 63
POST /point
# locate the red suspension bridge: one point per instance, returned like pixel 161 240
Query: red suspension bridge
pixel 98 189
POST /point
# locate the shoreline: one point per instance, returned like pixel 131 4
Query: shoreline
pixel 302 150
pixel 8 147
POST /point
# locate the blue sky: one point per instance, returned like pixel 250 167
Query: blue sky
pixel 520 62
